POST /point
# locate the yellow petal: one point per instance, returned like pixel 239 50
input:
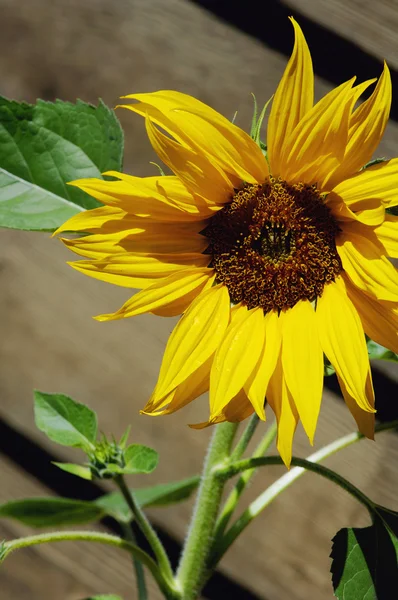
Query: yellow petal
pixel 302 362
pixel 236 358
pixel 370 212
pixel 194 386
pixel 138 270
pixel 149 238
pixel 237 410
pixel 365 420
pixel 196 172
pixel 293 99
pixel 365 263
pixel 180 305
pixel 322 133
pixel 387 234
pixel 195 338
pixel 104 218
pixel 379 319
pixel 282 403
pixel 177 291
pixel 367 127
pixel 343 340
pixel 379 181
pixel 257 384
pixel 162 198
pixel 200 127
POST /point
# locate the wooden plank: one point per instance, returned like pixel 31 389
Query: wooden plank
pixel 71 570
pixel 53 344
pixel 371 25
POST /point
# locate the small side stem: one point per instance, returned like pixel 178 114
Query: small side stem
pixel 247 435
pixel 92 536
pixel 275 489
pixel 147 530
pixel 308 465
pixel 138 568
pixel 192 569
pixel 237 491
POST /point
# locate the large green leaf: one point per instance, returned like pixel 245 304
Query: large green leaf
pixel 45 146
pixel 157 495
pixel 65 421
pixel 51 512
pixel 365 561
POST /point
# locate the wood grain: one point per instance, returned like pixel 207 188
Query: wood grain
pixel 371 25
pixel 50 342
pixel 67 570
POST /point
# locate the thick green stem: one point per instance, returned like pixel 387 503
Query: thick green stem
pixel 237 491
pixel 93 536
pixel 147 530
pixel 193 568
pixel 138 568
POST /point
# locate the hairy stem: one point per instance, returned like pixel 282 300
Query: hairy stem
pixel 93 536
pixel 193 568
pixel 138 568
pixel 147 530
pixel 235 494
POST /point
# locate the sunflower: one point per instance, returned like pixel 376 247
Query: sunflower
pixel 273 259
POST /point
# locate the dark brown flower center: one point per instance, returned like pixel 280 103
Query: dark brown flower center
pixel 274 244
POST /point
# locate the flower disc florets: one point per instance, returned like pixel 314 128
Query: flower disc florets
pixel 274 245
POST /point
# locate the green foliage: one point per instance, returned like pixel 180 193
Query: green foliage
pixel 158 495
pixel 376 351
pixel 3 550
pixel 365 561
pixel 374 161
pixel 140 459
pixel 257 122
pixel 78 470
pixel 65 421
pixel 45 146
pixel 50 512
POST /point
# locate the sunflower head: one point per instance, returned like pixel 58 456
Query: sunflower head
pixel 274 261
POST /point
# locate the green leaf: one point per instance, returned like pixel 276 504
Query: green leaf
pixel 376 351
pixel 125 437
pixel 78 470
pixel 157 495
pixel 3 550
pixel 45 146
pixel 374 161
pixel 24 205
pixel 50 512
pixel 253 126
pixel 365 561
pixel 140 459
pixel 65 421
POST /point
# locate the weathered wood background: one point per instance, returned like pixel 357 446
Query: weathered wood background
pixel 69 49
